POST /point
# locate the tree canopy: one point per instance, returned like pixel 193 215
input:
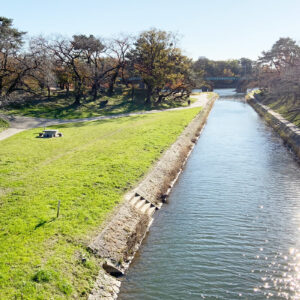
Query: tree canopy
pixel 11 67
pixel 279 68
pixel 86 66
pixel 161 65
pixel 90 66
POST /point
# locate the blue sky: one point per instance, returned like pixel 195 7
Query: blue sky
pixel 217 29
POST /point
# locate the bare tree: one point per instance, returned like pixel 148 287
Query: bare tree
pixel 118 50
pixel 44 73
pixel 93 52
pixel 68 55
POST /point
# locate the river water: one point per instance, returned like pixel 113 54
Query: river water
pixel 231 229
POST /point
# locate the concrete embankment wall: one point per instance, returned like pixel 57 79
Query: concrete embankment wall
pixel 289 132
pixel 118 242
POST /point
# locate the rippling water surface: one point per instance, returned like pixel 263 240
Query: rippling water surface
pixel 231 229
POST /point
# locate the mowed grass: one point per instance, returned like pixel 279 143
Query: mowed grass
pixel 60 106
pixel 88 170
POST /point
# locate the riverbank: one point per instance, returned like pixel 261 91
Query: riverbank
pixel 88 170
pixel 288 131
pixel 121 238
pixel 230 228
pixel 287 106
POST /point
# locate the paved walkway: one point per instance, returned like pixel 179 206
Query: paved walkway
pixel 21 123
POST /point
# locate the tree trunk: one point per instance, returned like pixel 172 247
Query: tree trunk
pixel 68 89
pixel 110 91
pixel 78 94
pixel 149 94
pixel 94 91
pixel 1 85
pixel 159 100
pixel 132 92
pixel 13 86
pixel 95 94
pixel 49 93
pixel 123 79
pixel 77 100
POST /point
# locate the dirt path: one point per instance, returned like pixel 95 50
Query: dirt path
pixel 21 123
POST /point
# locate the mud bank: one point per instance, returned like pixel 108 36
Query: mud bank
pixel 118 242
pixel 289 132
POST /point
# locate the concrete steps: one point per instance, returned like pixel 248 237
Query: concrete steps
pixel 142 205
pixel 145 207
pixel 151 210
pixel 134 200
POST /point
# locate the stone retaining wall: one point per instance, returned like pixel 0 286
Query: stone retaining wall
pixel 120 239
pixel 289 132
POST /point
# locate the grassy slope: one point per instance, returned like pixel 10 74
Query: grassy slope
pixel 286 107
pixel 89 169
pixel 3 125
pixel 60 107
pixel 210 95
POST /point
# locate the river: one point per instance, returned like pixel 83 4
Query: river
pixel 231 228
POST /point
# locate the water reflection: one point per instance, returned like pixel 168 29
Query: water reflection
pixel 231 228
pixel 281 276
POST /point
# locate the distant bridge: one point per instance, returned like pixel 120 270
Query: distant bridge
pixel 222 78
pixel 226 78
pixel 240 82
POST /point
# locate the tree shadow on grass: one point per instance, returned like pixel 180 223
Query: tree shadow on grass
pixel 63 107
pixel 119 120
pixel 126 107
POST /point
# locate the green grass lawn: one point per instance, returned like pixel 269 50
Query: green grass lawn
pixel 60 107
pixel 3 125
pixel 88 170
